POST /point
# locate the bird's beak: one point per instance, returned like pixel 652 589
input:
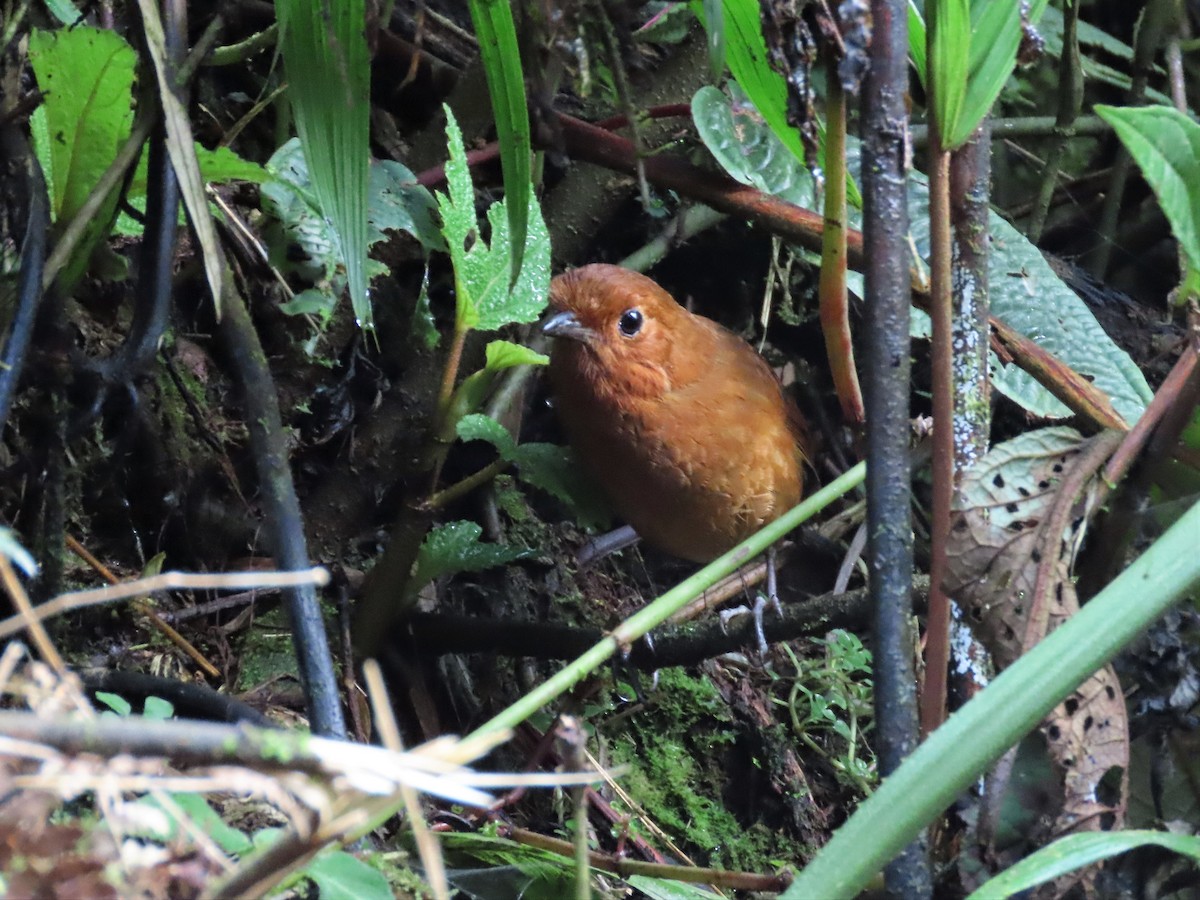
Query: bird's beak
pixel 566 325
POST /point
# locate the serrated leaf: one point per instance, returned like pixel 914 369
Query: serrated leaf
pixel 482 272
pixel 328 69
pixel 1024 291
pixel 1166 146
pixel 505 354
pixel 454 547
pixel 340 876
pixel 478 427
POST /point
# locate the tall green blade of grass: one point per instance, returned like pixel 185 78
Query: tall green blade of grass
pixel 325 57
pixel 506 84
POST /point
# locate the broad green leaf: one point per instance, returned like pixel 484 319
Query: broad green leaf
pixel 485 299
pixel 1166 145
pixel 454 547
pixel 86 75
pixel 949 38
pixel 734 133
pixel 506 354
pixel 340 876
pixel 665 889
pixel 1075 851
pixel 746 53
pixel 329 81
pixel 506 84
pixel 1024 290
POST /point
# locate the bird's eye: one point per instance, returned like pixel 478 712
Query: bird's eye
pixel 630 322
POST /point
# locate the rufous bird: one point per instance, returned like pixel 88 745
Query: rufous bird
pixel 684 426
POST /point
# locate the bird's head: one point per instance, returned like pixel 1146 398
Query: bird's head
pixel 619 331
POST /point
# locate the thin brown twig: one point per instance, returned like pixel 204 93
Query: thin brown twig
pixel 29 618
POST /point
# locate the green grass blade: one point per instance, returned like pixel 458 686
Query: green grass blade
pixel 1076 851
pixel 506 83
pixel 328 69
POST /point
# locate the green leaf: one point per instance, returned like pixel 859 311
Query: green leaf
pixel 64 11
pixel 556 471
pixel 115 702
pixel 506 84
pixel 340 876
pixel 1075 851
pixel 917 41
pixel 734 133
pixel 547 467
pixel 454 547
pixel 202 816
pixel 949 39
pixel 665 889
pixel 746 53
pixel 714 22
pixel 86 76
pixel 329 81
pixel 506 354
pixel 1166 146
pixel 482 273
pixel 478 427
pixel 996 37
pixel 157 709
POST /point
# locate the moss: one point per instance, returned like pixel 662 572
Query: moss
pixel 675 751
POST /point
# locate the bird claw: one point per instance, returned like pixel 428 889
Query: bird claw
pixel 756 612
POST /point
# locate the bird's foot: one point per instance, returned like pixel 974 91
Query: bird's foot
pixel 756 613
